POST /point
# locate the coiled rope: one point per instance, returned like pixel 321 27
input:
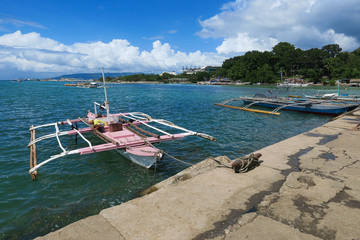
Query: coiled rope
pixel 244 164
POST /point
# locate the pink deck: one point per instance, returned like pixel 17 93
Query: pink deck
pixel 81 130
pixel 128 141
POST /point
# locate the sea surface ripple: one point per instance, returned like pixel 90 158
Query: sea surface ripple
pixel 75 187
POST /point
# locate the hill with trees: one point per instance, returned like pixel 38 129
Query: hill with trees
pixel 314 65
pixel 86 76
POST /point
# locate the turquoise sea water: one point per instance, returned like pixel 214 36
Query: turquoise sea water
pixel 75 187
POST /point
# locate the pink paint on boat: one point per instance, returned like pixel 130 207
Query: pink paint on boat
pixel 131 144
pixel 132 141
pixel 81 130
pixel 143 151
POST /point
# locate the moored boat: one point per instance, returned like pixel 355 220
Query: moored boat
pixel 299 105
pixel 129 133
pixel 90 85
pixel 334 96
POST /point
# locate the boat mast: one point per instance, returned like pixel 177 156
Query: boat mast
pixel 106 99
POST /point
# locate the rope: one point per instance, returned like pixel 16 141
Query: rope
pixel 152 181
pixel 160 151
pixel 176 158
pixel 246 163
pixel 222 163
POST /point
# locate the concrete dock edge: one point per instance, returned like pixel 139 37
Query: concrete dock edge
pixel 306 187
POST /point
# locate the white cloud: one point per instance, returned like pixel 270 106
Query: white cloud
pixel 21 23
pixel 247 25
pixel 7 22
pixel 154 37
pixel 346 42
pixel 33 40
pixel 31 52
pixel 243 42
pixel 173 31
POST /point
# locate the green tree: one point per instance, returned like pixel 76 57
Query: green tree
pixel 314 74
pixel 167 76
pixel 333 67
pixel 265 74
pixel 284 54
pixel 202 76
pixel 331 50
pixel 220 72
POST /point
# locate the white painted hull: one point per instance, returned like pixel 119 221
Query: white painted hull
pixel 144 161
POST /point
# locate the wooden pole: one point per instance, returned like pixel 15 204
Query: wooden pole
pixel 31 149
pixel 140 129
pixel 33 159
pixel 106 101
pixel 247 109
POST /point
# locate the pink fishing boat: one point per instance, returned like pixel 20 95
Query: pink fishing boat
pixel 128 133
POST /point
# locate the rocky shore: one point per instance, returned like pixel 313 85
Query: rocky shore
pixel 306 187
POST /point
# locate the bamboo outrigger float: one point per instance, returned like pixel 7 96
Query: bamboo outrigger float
pixel 121 132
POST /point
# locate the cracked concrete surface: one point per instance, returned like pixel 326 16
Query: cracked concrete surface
pixel 307 187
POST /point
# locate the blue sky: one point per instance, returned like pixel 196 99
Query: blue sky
pixel 44 38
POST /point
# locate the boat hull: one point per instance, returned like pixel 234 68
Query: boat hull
pixel 144 161
pixel 323 109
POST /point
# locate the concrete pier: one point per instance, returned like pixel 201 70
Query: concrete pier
pixel 306 187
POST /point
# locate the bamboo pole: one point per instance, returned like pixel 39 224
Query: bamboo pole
pixel 31 149
pixel 247 109
pixel 140 129
pixel 33 160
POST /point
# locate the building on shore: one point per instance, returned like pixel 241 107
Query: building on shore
pixel 354 83
pixel 193 70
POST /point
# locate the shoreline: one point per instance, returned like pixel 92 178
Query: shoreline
pixel 318 85
pixel 306 187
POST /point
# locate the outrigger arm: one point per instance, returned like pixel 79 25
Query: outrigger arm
pixel 166 123
pixel 33 165
pixel 32 170
pixel 130 141
pixel 139 118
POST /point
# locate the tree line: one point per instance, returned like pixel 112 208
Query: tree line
pixel 314 65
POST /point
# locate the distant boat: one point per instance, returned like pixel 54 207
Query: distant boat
pixel 90 85
pixel 288 84
pixel 299 105
pixel 94 85
pixel 221 81
pixel 291 82
pixel 334 96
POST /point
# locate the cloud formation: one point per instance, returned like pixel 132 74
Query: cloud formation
pixel 10 21
pixel 240 25
pixel 32 52
pixel 248 25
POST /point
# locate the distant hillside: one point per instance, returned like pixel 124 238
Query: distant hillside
pixel 86 76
